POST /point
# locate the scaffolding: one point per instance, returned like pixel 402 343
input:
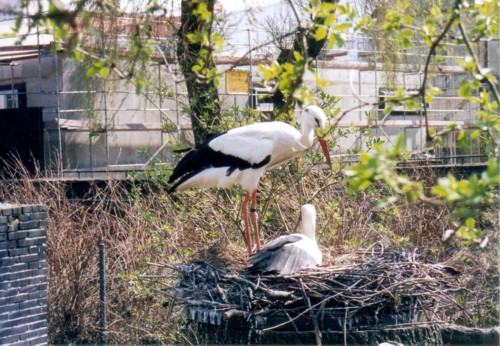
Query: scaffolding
pixel 102 128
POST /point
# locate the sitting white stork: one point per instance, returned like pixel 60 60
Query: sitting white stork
pixel 290 253
pixel 242 155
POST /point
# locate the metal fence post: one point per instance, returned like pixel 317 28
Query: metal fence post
pixel 102 291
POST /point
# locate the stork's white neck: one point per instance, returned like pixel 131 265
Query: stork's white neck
pixel 307 136
pixel 308 221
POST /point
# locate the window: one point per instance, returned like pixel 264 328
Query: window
pixel 9 99
pixel 13 96
pixel 261 100
pixel 400 109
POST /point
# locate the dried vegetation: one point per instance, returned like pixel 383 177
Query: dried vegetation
pixel 142 227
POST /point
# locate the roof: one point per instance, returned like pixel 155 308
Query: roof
pixel 10 54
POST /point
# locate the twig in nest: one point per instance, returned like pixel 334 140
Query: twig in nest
pixel 317 333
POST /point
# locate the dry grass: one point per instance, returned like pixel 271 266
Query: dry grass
pixel 140 224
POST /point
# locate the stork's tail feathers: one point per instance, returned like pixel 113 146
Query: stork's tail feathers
pixel 180 181
pixel 179 151
pixel 262 163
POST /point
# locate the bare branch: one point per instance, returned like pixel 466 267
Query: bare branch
pixel 432 52
pixel 476 60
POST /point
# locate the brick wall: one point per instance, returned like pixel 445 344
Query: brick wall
pixel 23 274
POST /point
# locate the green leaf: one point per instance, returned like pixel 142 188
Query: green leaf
pixel 342 27
pixel 331 40
pixel 18 23
pixel 464 89
pixel 493 171
pixel 470 222
pixel 435 11
pixel 407 33
pixel 104 72
pixel 321 33
pixel 468 64
pixel 440 59
pixel 364 184
pixel 407 20
pixel 78 55
pixel 203 12
pixel 297 56
pixel 435 90
pixel 402 5
pixel 91 72
pixel 339 39
pixel 406 43
pixel 330 20
pixel 398 143
pixel 326 7
pixel 439 191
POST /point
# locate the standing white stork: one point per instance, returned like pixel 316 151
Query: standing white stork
pixel 290 253
pixel 242 155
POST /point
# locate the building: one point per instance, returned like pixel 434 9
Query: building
pixel 73 125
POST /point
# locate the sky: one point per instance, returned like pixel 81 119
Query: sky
pixel 238 5
pixel 229 6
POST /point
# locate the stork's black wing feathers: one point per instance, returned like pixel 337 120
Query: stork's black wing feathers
pixel 260 264
pixel 275 257
pixel 284 260
pixel 203 157
pixel 190 162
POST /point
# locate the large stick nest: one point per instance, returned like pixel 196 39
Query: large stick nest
pixel 353 292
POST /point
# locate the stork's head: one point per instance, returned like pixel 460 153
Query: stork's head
pixel 314 117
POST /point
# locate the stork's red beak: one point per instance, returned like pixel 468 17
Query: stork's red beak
pixel 324 146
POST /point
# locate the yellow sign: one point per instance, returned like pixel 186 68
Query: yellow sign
pixel 237 81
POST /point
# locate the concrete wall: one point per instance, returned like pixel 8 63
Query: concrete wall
pixel 23 274
pixel 62 88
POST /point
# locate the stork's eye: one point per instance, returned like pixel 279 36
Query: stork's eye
pixel 318 123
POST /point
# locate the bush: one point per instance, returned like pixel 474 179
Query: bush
pixel 141 225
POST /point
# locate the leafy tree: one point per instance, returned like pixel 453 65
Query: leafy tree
pixel 196 45
pixel 464 23
pixel 88 31
pixel 308 42
pixel 325 20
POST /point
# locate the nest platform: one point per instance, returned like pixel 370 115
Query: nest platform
pixel 367 297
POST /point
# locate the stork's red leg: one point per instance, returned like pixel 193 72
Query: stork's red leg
pixel 244 210
pixel 254 217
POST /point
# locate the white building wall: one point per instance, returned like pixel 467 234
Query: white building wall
pixel 61 87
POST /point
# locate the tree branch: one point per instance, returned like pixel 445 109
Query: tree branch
pixel 432 52
pixel 476 60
